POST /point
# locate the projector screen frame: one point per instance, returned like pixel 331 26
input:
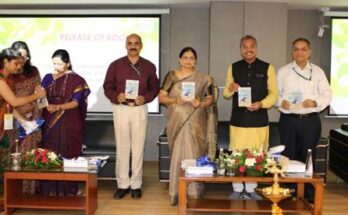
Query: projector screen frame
pixel 60 13
pixel 330 112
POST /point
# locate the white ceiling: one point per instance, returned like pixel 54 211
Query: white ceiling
pixel 298 4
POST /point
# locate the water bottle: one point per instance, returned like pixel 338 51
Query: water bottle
pixel 221 168
pixel 309 164
pixel 16 158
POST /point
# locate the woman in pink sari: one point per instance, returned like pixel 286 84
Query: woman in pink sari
pixel 24 82
pixel 65 115
pixel 9 64
pixel 191 118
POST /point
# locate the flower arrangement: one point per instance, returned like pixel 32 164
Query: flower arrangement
pixel 41 158
pixel 251 162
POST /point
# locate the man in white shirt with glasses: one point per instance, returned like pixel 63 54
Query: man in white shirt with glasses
pixel 303 92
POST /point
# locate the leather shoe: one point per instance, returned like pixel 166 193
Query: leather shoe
pixel 120 193
pixel 136 193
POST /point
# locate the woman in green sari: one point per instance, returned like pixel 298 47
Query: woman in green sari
pixel 191 118
pixel 9 64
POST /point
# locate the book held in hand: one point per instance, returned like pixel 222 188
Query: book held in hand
pixel 244 96
pixel 295 99
pixel 132 87
pixel 42 103
pixel 188 91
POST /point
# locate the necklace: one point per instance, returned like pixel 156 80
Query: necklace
pixel 62 89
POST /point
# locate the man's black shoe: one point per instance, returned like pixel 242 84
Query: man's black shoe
pixel 136 193
pixel 120 193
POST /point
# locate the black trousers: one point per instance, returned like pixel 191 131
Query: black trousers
pixel 299 133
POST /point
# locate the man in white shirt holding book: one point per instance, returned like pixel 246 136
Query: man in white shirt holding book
pixel 303 92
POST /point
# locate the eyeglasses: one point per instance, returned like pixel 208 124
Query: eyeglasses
pixel 300 49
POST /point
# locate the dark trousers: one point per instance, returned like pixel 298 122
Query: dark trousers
pixel 299 133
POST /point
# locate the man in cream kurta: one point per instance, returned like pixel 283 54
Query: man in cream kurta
pixel 249 125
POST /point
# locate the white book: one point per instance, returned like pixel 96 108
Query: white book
pixel 188 91
pixel 42 103
pixel 295 99
pixel 75 163
pixel 296 166
pixel 244 96
pixel 75 169
pixel 199 170
pixel 132 89
pixel 188 162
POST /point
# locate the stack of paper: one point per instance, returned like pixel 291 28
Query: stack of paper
pixel 188 162
pixel 199 170
pixel 79 162
pixel 296 166
pixel 93 162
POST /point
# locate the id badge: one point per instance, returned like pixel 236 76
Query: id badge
pixel 8 121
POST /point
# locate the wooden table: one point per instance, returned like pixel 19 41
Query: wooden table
pixel 249 206
pixel 14 197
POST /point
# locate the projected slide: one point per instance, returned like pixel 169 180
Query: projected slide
pixel 93 43
pixel 339 67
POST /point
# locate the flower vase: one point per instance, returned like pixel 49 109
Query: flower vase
pixel 231 167
pixel 230 170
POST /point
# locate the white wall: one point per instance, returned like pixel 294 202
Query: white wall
pixel 215 33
